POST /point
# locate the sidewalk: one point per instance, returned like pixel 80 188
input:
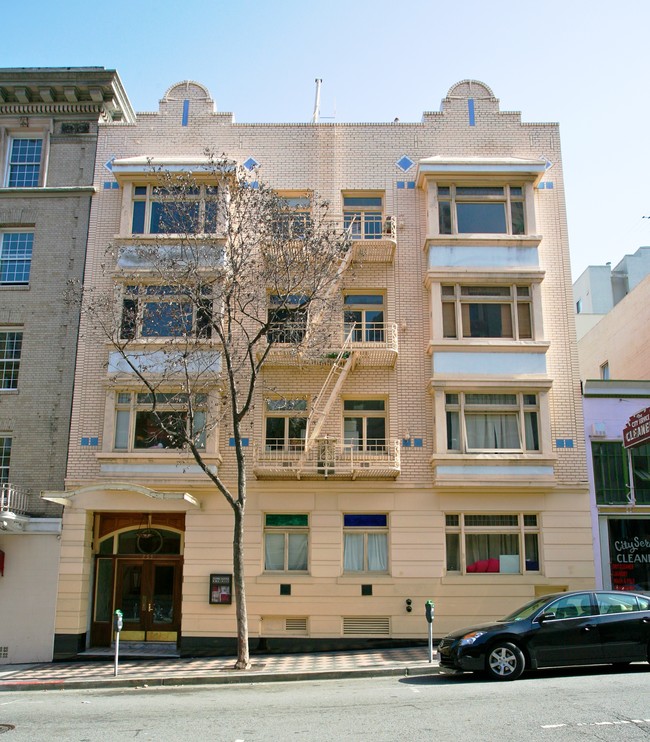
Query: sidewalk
pixel 219 670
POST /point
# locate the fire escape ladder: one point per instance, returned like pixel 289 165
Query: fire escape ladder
pixel 330 390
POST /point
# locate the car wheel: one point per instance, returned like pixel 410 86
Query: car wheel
pixel 505 662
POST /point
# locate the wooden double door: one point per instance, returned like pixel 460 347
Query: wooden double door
pixel 147 591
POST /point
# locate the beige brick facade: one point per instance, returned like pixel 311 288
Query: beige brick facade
pixel 534 494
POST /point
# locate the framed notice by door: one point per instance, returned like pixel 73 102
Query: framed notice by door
pixel 221 589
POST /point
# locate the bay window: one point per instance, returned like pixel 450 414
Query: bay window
pixel 141 425
pixel 165 311
pixel 487 312
pixel 504 422
pixel 469 209
pixel 174 210
pixel 480 543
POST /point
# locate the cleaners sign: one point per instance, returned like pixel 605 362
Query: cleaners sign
pixel 637 430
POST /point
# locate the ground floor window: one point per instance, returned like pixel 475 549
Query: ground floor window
pixel 365 542
pixel 492 543
pixel 629 553
pixel 286 542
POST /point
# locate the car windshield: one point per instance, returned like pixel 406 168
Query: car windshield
pixel 526 611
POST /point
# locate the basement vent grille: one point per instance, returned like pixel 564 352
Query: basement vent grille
pixel 296 625
pixel 377 626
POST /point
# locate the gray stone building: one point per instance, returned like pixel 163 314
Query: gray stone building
pixel 48 141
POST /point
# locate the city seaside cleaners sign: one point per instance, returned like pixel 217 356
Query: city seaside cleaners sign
pixel 637 430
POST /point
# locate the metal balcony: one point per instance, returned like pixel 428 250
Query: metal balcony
pixel 13 508
pixel 373 238
pixel 328 458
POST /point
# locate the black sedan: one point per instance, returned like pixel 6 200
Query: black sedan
pixel 577 628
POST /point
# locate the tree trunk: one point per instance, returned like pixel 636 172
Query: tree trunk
pixel 243 657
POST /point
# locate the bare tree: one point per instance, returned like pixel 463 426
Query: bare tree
pixel 228 270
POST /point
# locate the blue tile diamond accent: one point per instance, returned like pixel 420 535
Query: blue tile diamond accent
pixel 405 163
pixel 251 163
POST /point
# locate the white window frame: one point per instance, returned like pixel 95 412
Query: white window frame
pixel 451 194
pixel 129 403
pixel 286 531
pixel 364 331
pixel 5 457
pixel 459 525
pixel 364 221
pixel 286 409
pixel 9 361
pixel 14 136
pixel 365 531
pixel 380 445
pixel 457 299
pixel 25 258
pixel 461 407
pixel 156 193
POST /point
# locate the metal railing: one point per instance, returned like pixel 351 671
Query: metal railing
pixel 13 500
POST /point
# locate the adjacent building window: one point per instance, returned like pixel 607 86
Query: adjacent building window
pixel 492 422
pixel 487 312
pixel 477 543
pixel 286 542
pixel 24 163
pixel 286 424
pixel 139 426
pixel 611 473
pixel 158 210
pixel 16 258
pixel 11 343
pixel 5 456
pixel 287 317
pixel 365 542
pixel 363 217
pixel 364 424
pixel 481 209
pixel 165 311
pixel 604 371
pixel 363 316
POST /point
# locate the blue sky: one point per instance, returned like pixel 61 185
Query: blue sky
pixel 583 64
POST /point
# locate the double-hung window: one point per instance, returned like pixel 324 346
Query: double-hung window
pixel 285 424
pixel 506 543
pixel 11 343
pixel 363 217
pixel 24 162
pixel 16 258
pixel 466 209
pixel 5 457
pixel 139 424
pixel 487 312
pixel 503 422
pixel 286 542
pixel 363 316
pixel 365 542
pixel 287 318
pixel 364 424
pixel 174 210
pixel 154 311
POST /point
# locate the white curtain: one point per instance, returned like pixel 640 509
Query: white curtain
pixel 377 552
pixel 353 552
pixel 298 551
pixel 274 551
pixel 492 431
pixel 353 557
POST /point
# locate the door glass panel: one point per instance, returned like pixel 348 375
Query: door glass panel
pixel 104 590
pixel 131 591
pixel 163 593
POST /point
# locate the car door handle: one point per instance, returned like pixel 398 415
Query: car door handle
pixel 587 628
pixel 645 620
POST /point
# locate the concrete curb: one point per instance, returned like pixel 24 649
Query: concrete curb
pixel 232 678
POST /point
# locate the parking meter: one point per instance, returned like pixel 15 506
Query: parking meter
pixel 118 623
pixel 428 612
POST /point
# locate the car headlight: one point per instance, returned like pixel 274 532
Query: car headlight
pixel 471 638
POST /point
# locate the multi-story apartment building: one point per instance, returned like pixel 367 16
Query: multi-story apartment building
pixel 450 458
pixel 48 136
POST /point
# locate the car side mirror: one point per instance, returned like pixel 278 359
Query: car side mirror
pixel 546 617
